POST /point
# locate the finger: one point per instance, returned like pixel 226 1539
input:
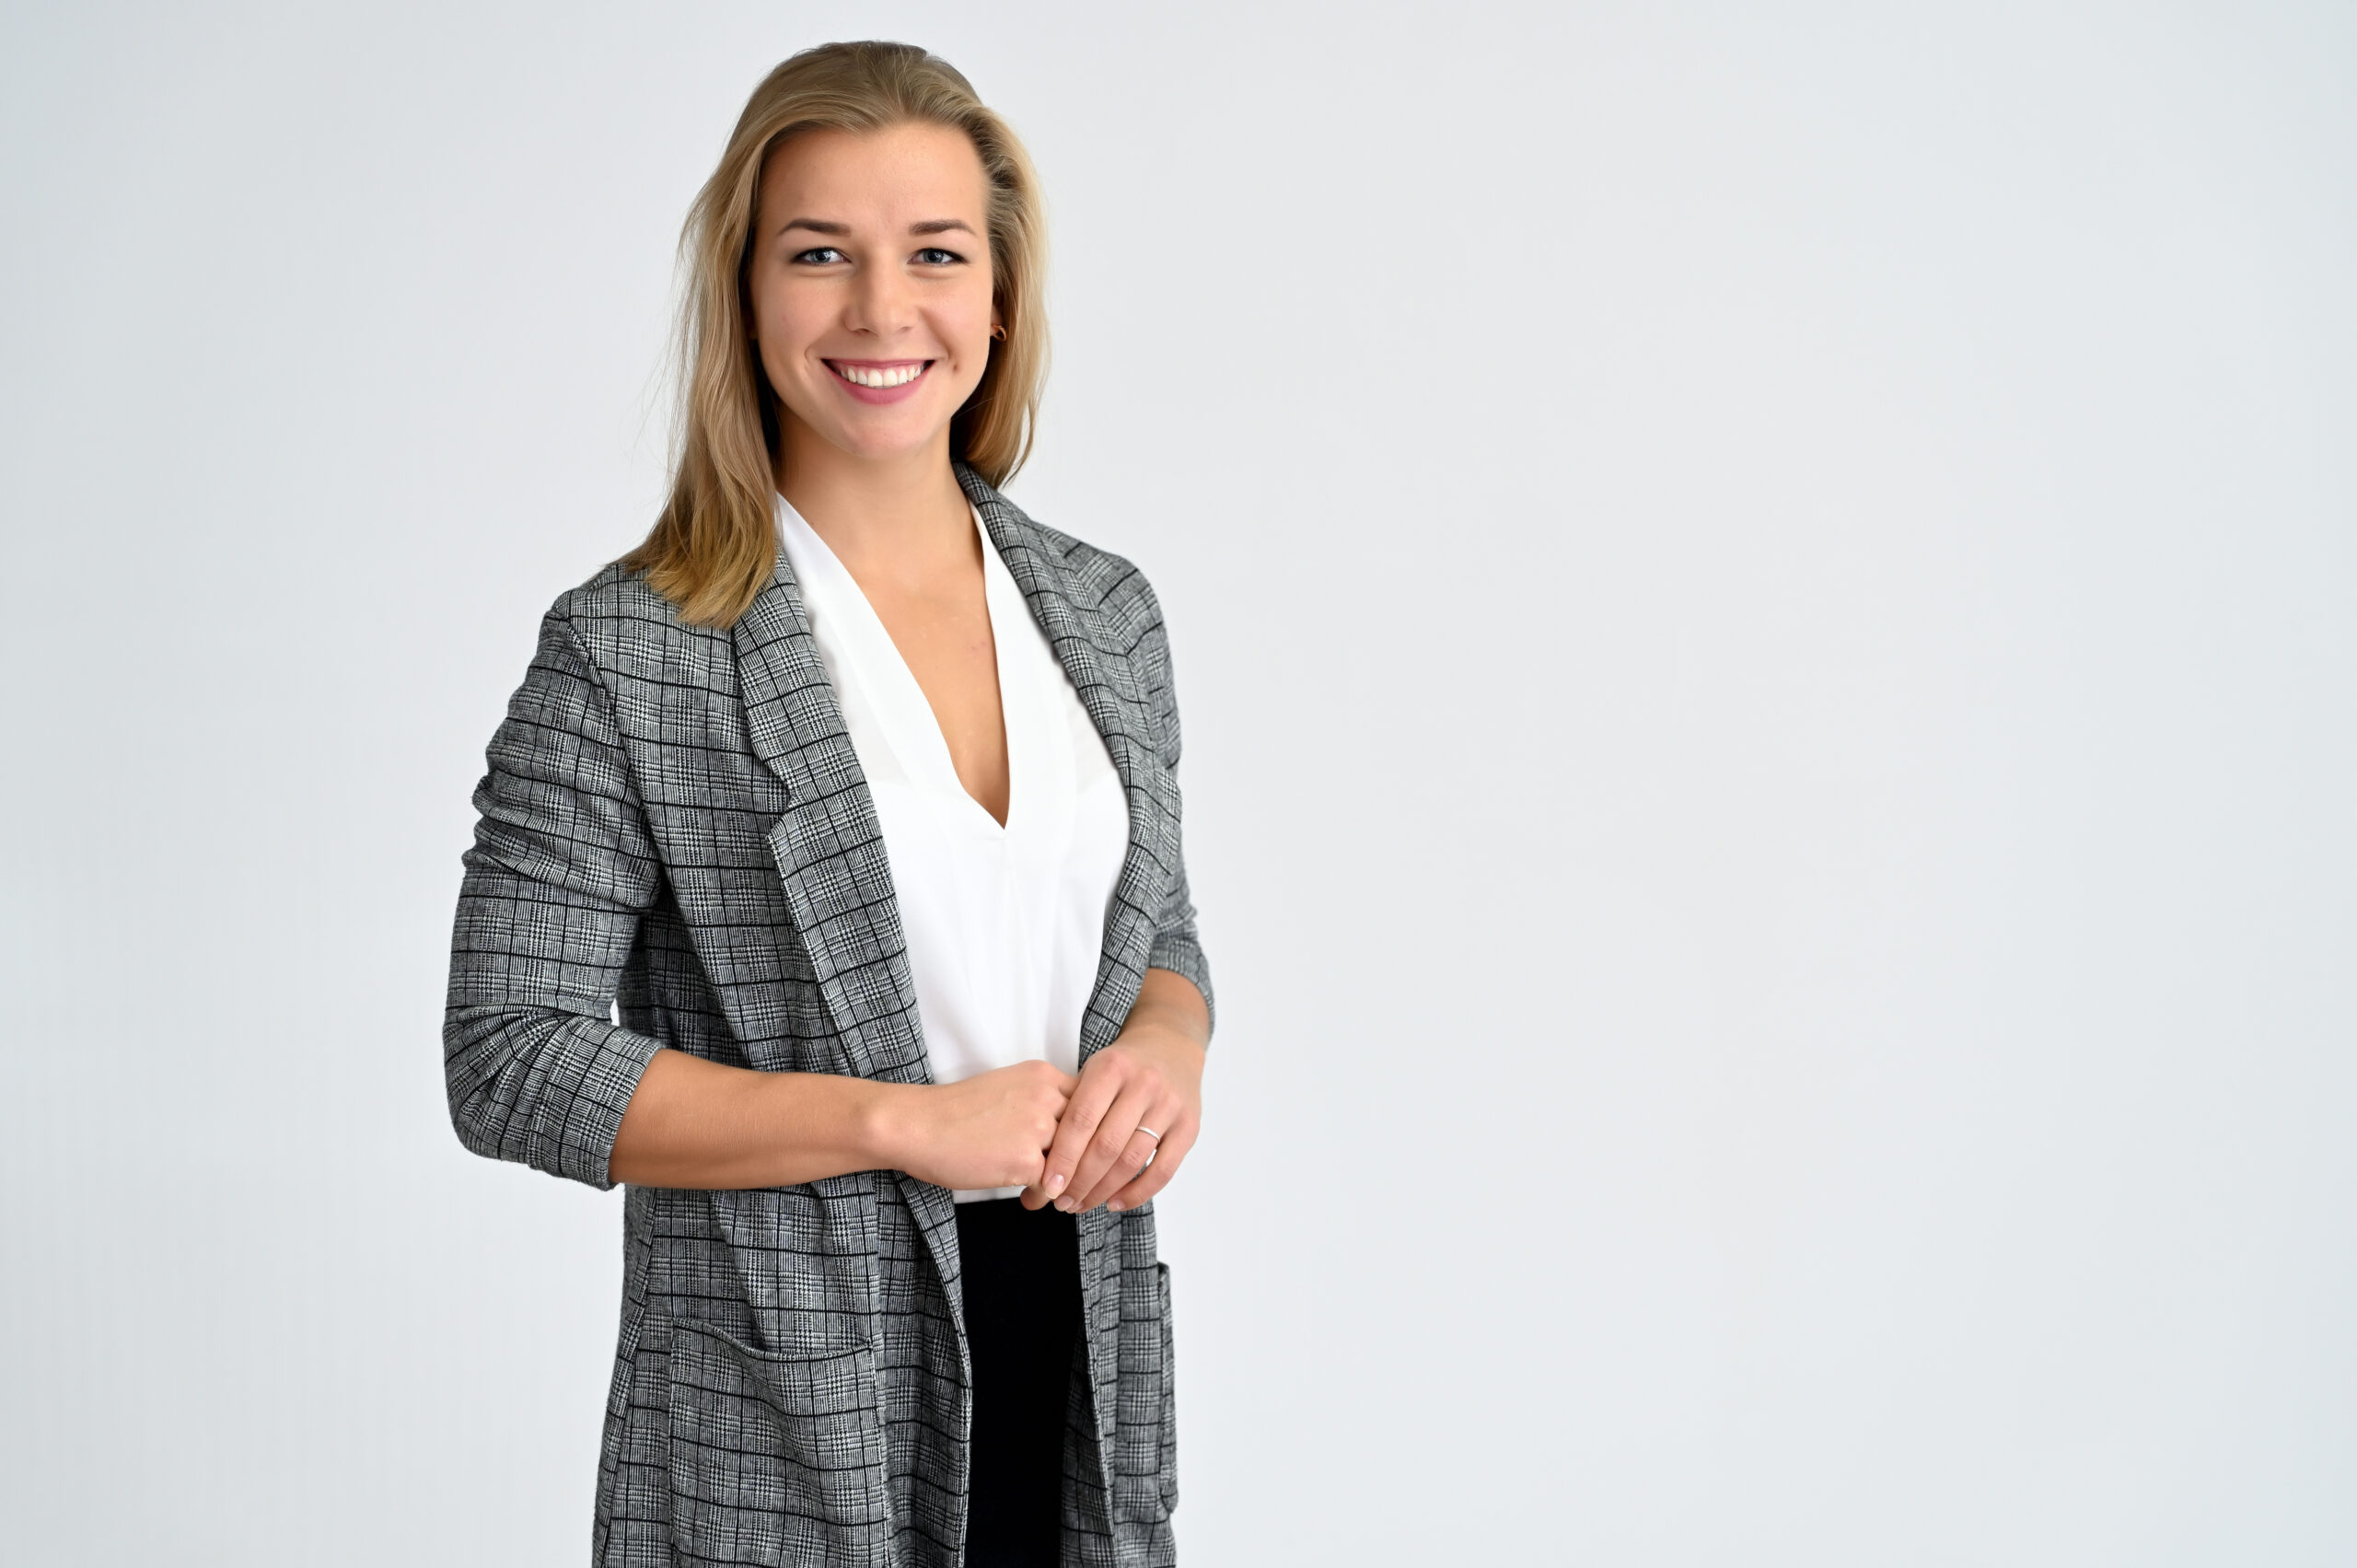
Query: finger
pixel 1095 1147
pixel 1036 1193
pixel 1157 1176
pixel 1098 1086
pixel 1059 1085
pixel 1119 1150
pixel 1137 1152
pixel 1140 1155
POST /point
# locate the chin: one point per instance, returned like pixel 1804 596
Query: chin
pixel 881 445
pixel 879 434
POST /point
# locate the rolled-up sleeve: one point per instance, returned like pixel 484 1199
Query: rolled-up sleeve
pixel 562 869
pixel 1176 947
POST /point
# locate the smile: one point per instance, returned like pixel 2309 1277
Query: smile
pixel 880 377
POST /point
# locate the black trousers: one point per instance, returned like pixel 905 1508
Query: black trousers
pixel 1022 1284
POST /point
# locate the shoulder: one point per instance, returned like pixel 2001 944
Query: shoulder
pixel 628 630
pixel 616 605
pixel 1119 604
pixel 1098 582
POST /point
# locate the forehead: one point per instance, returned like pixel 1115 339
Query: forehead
pixel 886 179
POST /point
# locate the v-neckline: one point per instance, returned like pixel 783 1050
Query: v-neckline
pixel 896 697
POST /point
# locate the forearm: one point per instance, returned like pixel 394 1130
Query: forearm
pixel 1169 1000
pixel 697 1123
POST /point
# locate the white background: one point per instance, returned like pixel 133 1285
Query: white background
pixel 1765 599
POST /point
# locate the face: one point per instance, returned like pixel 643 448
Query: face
pixel 870 284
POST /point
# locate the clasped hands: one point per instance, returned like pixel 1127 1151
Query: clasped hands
pixel 1074 1141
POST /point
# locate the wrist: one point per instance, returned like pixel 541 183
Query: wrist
pixel 1164 1029
pixel 1170 1003
pixel 881 1122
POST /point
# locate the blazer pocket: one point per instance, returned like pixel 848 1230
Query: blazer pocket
pixel 769 1452
pixel 1166 1471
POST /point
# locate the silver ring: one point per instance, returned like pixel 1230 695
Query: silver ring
pixel 1151 1134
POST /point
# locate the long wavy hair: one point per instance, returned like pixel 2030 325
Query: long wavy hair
pixel 716 545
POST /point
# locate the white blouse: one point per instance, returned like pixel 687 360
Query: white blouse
pixel 1005 924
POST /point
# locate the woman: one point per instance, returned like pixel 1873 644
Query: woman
pixel 828 892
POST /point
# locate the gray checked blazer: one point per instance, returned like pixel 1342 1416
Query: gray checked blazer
pixel 674 832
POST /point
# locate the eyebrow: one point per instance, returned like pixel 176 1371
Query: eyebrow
pixel 930 226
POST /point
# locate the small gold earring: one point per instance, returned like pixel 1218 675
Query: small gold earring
pixel 998 332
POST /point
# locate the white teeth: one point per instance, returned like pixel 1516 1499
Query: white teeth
pixel 861 376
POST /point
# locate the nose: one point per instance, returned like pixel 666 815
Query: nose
pixel 881 304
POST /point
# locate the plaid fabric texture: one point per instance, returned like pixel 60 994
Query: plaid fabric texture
pixel 674 828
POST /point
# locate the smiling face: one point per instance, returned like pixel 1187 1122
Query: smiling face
pixel 870 288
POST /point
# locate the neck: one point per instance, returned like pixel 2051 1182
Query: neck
pixel 898 513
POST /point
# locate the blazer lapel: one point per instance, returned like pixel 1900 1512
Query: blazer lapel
pixel 1096 653
pixel 828 845
pixel 1113 691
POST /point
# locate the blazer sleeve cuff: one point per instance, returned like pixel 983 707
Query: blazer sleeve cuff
pixel 550 1089
pixel 1183 954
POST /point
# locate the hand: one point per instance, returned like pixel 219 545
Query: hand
pixel 992 1130
pixel 1151 1076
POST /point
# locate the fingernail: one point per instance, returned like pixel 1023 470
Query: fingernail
pixel 1056 1182
pixel 1115 1205
pixel 1064 1204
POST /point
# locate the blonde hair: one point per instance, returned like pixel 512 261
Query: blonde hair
pixel 716 545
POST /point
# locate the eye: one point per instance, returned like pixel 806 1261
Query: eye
pixel 820 256
pixel 935 256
